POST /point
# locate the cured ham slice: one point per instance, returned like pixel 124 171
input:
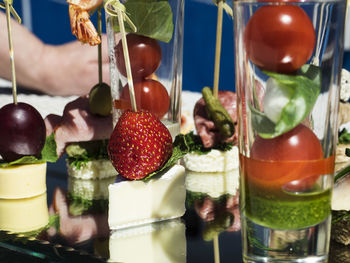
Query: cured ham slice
pixel 78 124
pixel 205 127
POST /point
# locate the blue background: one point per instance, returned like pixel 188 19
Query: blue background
pixel 50 22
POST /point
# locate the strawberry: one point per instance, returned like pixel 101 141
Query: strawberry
pixel 139 145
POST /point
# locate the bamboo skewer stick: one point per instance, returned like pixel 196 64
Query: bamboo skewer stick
pixel 99 47
pixel 216 249
pixel 127 60
pixel 12 58
pixel 218 49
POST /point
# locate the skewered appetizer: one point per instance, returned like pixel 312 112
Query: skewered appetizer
pixel 139 147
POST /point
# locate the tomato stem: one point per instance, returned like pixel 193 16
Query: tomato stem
pixel 218 49
pixel 12 57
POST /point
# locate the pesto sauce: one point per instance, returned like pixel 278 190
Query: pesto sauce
pixel 286 211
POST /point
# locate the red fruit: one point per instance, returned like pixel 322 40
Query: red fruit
pixel 150 95
pixel 139 145
pixel 145 55
pixel 279 38
pixel 22 131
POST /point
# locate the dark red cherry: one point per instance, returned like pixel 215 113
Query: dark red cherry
pixel 22 131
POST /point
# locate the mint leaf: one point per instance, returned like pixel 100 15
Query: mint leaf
pixel 306 88
pixel 82 152
pixel 48 154
pixel 152 19
pixel 179 150
pixel 23 160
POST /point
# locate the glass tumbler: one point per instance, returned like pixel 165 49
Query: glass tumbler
pixel 155 52
pixel 288 62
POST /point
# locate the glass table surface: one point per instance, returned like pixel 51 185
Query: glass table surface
pixel 208 232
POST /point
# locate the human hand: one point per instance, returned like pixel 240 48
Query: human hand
pixel 72 68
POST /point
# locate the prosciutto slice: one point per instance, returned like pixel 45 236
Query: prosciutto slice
pixel 77 124
pixel 210 135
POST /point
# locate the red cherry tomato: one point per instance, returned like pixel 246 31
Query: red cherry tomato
pixel 150 95
pixel 299 144
pixel 279 38
pixel 145 55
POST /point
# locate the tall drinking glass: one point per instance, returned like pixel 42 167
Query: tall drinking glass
pixel 155 52
pixel 288 63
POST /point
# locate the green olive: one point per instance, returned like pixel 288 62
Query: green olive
pixel 100 100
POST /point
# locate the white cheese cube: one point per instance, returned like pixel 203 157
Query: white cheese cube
pixel 161 242
pixel 140 202
pixel 95 169
pixel 89 189
pixel 213 184
pixel 213 161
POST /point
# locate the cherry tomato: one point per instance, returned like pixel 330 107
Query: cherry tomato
pixel 279 38
pixel 298 144
pixel 145 55
pixel 150 95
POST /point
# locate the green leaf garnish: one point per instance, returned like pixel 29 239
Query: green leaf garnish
pixel 80 206
pixel 220 223
pixel 306 88
pixel 344 136
pixel 82 152
pixel 184 144
pixel 152 19
pixel 54 221
pixel 48 154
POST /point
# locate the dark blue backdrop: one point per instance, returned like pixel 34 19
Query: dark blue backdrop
pixel 50 22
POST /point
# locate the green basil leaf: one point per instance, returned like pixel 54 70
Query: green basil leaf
pixel 306 88
pixel 152 19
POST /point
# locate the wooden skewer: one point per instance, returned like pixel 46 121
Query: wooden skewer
pixel 12 57
pixel 127 60
pixel 218 49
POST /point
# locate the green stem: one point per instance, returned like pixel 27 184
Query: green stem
pixel 342 173
pixel 99 47
pixel 12 58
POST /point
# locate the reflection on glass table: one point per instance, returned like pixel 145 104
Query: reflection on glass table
pixel 76 227
pixel 206 233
